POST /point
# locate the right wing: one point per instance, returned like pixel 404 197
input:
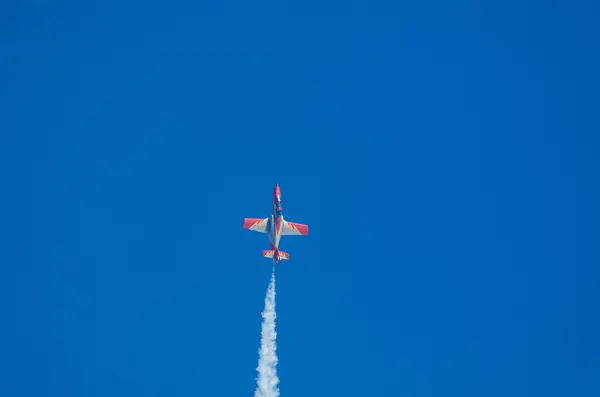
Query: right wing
pixel 258 225
pixel 293 229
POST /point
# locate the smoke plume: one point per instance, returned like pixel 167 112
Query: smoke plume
pixel 267 359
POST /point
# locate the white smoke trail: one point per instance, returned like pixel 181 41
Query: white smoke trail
pixel 267 358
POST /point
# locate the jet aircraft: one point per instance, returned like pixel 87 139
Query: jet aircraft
pixel 275 227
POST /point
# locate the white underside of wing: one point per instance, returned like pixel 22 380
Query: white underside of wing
pixel 289 230
pixel 260 226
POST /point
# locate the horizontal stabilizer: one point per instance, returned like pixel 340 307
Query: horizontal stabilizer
pixel 268 253
pixel 271 253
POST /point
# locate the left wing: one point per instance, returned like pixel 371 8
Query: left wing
pixel 293 229
pixel 258 225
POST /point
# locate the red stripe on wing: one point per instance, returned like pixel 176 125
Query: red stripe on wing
pixel 249 222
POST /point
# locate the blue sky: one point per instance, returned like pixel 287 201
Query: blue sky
pixel 443 154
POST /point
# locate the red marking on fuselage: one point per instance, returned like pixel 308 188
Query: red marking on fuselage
pixel 276 192
pixel 276 200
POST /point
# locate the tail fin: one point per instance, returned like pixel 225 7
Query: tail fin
pixel 271 253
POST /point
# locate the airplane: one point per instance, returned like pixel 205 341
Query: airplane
pixel 275 227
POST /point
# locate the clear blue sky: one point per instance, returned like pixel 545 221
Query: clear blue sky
pixel 444 155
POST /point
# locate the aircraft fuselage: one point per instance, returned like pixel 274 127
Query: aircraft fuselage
pixel 275 223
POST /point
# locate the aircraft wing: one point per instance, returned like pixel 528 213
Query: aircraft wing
pixel 258 225
pixel 293 229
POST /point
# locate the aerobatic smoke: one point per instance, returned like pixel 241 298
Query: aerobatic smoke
pixel 267 359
